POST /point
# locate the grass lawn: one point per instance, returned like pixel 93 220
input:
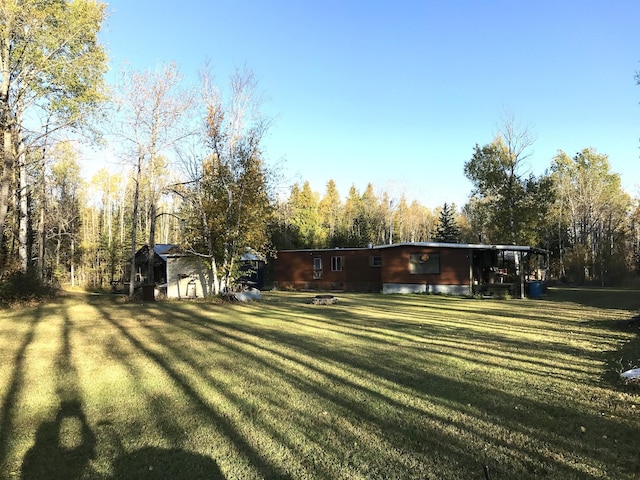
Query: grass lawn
pixel 411 386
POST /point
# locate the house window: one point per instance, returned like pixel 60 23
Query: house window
pixel 317 268
pixel 336 264
pixel 424 263
pixel 376 261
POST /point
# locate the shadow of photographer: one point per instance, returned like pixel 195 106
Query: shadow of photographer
pixel 63 447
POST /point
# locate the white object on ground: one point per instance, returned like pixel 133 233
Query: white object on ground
pixel 249 295
pixel 633 374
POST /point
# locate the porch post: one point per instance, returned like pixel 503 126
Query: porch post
pixel 470 272
pixel 521 274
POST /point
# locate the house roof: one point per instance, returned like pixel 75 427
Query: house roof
pixel 471 246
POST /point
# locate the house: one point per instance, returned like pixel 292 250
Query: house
pixel 425 267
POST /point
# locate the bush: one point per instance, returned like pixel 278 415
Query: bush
pixel 22 287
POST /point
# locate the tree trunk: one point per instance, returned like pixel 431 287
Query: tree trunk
pixel 152 244
pixel 215 281
pixel 23 215
pixel 5 180
pixel 134 223
pixel 6 124
pixel 58 248
pixel 73 271
pixel 41 230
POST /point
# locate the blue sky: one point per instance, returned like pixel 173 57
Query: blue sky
pixel 398 93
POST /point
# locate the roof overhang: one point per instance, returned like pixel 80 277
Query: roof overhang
pixel 467 246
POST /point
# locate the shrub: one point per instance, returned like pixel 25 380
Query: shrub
pixel 22 287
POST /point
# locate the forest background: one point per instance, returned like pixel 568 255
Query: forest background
pixel 193 171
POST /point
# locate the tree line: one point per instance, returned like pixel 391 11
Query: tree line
pixel 577 210
pixel 192 171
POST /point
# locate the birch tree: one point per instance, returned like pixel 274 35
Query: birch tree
pixel 63 218
pixel 591 214
pixel 51 69
pixel 634 232
pixel 227 195
pixel 104 242
pixel 514 200
pixel 420 222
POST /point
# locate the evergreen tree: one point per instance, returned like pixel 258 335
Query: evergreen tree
pixel 369 217
pixel 447 230
pixel 352 218
pixel 329 210
pixel 305 217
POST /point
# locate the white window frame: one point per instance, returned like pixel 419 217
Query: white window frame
pixel 337 263
pixel 317 268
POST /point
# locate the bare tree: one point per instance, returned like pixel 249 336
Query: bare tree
pixel 152 108
pixel 517 142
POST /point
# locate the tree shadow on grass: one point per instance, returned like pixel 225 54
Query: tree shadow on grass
pixel 363 407
pixel 63 447
pixel 162 463
pixel 541 422
pixel 15 386
pixel 626 356
pixel 606 298
pixel 310 354
pixel 183 458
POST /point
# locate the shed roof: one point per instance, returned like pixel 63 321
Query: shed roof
pixel 164 249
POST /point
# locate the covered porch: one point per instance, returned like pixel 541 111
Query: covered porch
pixel 515 270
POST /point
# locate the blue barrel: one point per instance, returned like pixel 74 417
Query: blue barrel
pixel 535 288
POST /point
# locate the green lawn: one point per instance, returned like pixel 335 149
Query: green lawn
pixel 375 386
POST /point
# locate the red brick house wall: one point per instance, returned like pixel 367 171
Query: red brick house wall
pixel 295 269
pixel 454 265
pixel 361 272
